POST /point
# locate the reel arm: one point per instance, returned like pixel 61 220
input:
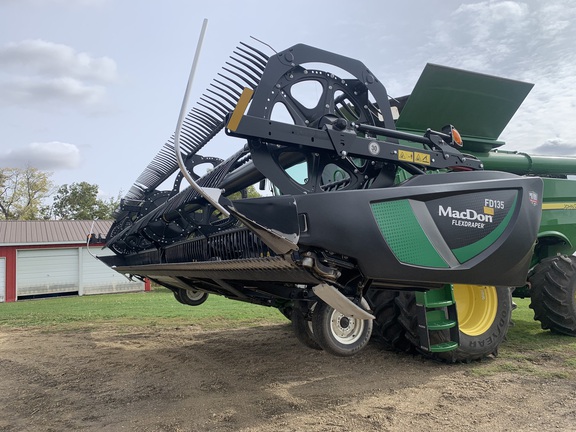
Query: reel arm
pixel 347 143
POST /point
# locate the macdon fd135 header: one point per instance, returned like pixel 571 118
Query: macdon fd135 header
pixel 340 227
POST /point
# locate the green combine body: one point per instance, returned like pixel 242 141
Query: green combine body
pixel 481 106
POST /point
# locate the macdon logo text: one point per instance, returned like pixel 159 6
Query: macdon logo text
pixel 466 218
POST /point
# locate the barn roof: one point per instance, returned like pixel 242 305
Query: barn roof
pixel 14 233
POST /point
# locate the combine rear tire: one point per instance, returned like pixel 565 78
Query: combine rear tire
pixel 387 330
pixel 484 314
pixel 553 294
pixel 339 334
pixel 190 297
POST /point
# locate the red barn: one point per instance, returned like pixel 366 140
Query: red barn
pixel 47 258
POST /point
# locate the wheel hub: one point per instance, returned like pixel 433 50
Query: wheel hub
pixel 344 322
pixel 476 306
pixel 345 329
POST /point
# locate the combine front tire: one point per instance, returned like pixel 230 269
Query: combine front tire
pixel 553 294
pixel 190 297
pixel 484 314
pixel 339 334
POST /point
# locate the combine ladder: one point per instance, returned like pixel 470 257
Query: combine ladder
pixel 436 311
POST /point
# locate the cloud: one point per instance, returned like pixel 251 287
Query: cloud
pixel 504 35
pixel 36 92
pixel 527 40
pixel 48 59
pixel 36 72
pixel 556 146
pixel 49 156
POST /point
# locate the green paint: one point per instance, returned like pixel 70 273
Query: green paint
pixel 404 235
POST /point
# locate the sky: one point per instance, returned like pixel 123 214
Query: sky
pixel 90 90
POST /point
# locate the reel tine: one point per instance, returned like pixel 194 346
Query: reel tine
pixel 199 130
pixel 254 59
pixel 258 72
pixel 248 76
pixel 191 137
pixel 230 103
pixel 164 159
pixel 240 86
pixel 208 108
pixel 226 108
pixel 204 122
pixel 234 93
pixel 260 53
pixel 213 104
pixel 205 115
pixel 207 124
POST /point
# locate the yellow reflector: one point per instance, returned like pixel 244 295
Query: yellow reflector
pixel 240 108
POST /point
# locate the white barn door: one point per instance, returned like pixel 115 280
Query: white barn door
pixel 97 278
pixel 46 271
pixel 2 280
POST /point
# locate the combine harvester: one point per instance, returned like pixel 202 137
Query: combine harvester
pixel 328 245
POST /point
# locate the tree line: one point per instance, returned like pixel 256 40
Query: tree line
pixel 24 193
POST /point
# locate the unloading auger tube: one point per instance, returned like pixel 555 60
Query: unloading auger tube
pixel 339 223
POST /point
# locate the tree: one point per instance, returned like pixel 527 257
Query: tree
pixel 79 201
pixel 22 191
pixel 249 192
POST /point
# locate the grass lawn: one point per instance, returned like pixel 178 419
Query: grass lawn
pixel 155 308
pixel 531 351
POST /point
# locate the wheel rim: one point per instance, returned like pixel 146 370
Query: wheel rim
pixel 477 306
pixel 345 330
pixel 194 295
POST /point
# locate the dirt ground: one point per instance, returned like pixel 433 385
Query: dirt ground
pixel 258 380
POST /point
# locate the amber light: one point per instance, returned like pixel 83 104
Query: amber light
pixel 456 137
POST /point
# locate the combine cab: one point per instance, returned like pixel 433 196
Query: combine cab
pixel 341 234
